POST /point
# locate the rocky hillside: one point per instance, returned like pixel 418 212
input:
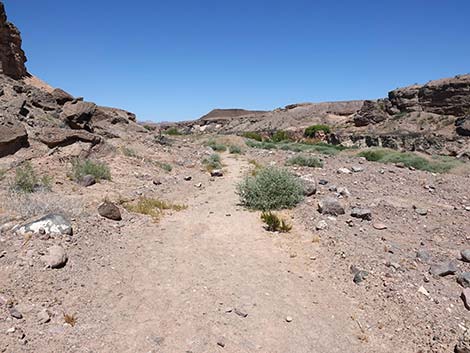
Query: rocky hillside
pixel 30 111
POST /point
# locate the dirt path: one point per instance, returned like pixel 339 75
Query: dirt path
pixel 181 285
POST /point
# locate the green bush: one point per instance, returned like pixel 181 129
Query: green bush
pixel 129 152
pixel 233 149
pixel 305 161
pixel 253 136
pixel 261 145
pixel 218 147
pixel 82 167
pixel 165 166
pixel 212 162
pixel 172 131
pixel 311 131
pixel 274 223
pixel 383 155
pixel 280 136
pixel 271 188
pixel 26 180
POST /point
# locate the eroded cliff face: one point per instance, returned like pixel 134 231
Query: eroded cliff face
pixel 12 57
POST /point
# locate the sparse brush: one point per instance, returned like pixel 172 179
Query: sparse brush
pixel 165 166
pixel 129 152
pixel 274 223
pixel 172 131
pixel 233 149
pixel 271 188
pixel 218 147
pixel 212 162
pixel 99 170
pixel 436 165
pixel 280 136
pixel 70 319
pixel 312 131
pixel 261 145
pixel 3 172
pixel 305 161
pixel 27 181
pixel 152 207
pixel 253 136
pixel 256 167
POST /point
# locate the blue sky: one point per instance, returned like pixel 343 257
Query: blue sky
pixel 176 60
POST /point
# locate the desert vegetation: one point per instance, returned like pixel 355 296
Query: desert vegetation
pixel 305 161
pixel 27 180
pixel 274 223
pixel 83 167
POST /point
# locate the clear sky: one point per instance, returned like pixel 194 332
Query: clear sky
pixel 178 59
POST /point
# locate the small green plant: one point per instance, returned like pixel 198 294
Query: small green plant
pixel 3 172
pixel 82 167
pixel 305 161
pixel 129 152
pixel 165 166
pixel 150 127
pixel 27 181
pixel 280 136
pixel 271 188
pixel 261 145
pixel 256 167
pixel 233 149
pixel 173 131
pixel 151 207
pixel 274 223
pixel 311 131
pixel 212 162
pixel 218 147
pixel 252 136
pixel 436 165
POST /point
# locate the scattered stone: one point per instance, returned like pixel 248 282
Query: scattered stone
pixel 322 182
pixel 188 178
pixel 240 312
pixel 333 188
pixel 421 211
pixel 424 291
pixel 44 317
pixel 15 313
pixel 343 171
pixel 443 269
pixel 221 343
pixel 310 185
pixel 52 224
pixel 322 225
pixel 217 173
pixel 423 255
pixel 57 257
pixel 109 210
pixel 360 276
pixel 357 169
pixel 463 344
pixel 465 255
pixel 87 180
pixel 198 185
pixel 157 182
pixel 289 319
pixel 464 279
pixel 379 226
pixel 228 310
pixel 362 213
pixel 343 192
pixel 400 165
pixel 11 330
pixel 466 297
pixel 331 206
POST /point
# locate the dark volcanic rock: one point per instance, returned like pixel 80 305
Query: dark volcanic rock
pixel 53 137
pixel 462 126
pixel 13 135
pixel 78 115
pixel 12 57
pixel 406 98
pixel 372 112
pixel 109 210
pixel 61 97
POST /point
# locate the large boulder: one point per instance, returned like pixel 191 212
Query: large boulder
pixel 53 137
pixel 13 135
pixel 51 224
pixel 61 97
pixel 372 112
pixel 77 115
pixel 12 57
pixel 406 98
pixel 462 126
pixel 448 96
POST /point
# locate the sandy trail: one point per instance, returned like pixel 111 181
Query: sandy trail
pixel 180 286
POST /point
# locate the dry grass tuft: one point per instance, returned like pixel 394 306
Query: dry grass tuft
pixel 151 207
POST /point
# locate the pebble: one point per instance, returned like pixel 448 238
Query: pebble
pixel 221 343
pixel 157 182
pixel 188 178
pixel 466 297
pixel 443 269
pixel 240 312
pixel 357 169
pixel 217 173
pixel 362 213
pixel 343 171
pixel 379 226
pixel 423 255
pixel 424 291
pixel 464 279
pixel 289 319
pixel 15 313
pixel 360 276
pixel 57 257
pixel 465 255
pixel 322 182
pixel 421 211
pixel 322 225
pixel 44 317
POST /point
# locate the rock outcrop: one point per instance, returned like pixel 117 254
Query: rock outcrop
pixel 13 135
pixel 12 57
pixel 372 112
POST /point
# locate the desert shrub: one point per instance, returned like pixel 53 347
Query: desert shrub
pixel 150 127
pixel 212 162
pixel 27 180
pixel 81 167
pixel 274 223
pixel 165 166
pixel 218 147
pixel 129 152
pixel 151 207
pixel 253 136
pixel 326 148
pixel 261 145
pixel 172 131
pixel 280 136
pixel 409 159
pixel 305 161
pixel 233 149
pixel 311 131
pixel 3 172
pixel 271 188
